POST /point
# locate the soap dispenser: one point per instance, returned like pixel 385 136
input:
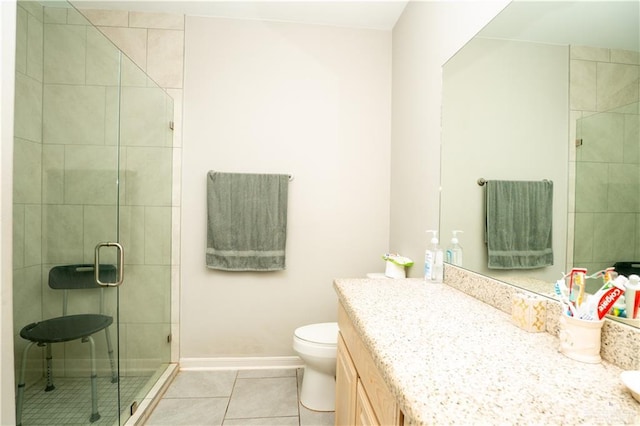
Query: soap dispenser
pixel 454 251
pixel 433 260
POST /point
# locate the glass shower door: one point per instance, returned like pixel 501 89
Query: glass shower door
pixel 146 167
pixel 93 165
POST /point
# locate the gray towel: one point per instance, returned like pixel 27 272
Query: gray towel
pixel 519 223
pixel 246 221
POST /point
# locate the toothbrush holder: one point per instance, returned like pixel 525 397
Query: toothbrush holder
pixel 580 339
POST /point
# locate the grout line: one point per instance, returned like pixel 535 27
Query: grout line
pixel 299 409
pixel 70 400
pixel 226 409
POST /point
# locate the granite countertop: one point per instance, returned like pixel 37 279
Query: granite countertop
pixel 450 358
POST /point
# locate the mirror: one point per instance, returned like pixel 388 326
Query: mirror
pixel 515 99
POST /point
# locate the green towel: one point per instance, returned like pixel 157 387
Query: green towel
pixel 246 221
pixel 519 224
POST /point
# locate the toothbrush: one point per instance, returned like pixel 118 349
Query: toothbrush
pixel 569 309
pixel 587 310
pixel 609 274
pixel 561 290
pixel 577 278
pixel 580 281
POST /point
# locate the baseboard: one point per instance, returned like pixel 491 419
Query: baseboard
pixel 241 363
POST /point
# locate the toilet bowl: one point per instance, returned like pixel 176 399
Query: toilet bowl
pixel 317 345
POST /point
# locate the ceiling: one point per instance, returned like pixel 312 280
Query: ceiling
pixel 608 24
pixel 373 14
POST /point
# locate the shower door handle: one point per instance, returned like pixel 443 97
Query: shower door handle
pixel 119 268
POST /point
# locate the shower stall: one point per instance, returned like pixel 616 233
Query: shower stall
pixel 607 188
pixel 92 164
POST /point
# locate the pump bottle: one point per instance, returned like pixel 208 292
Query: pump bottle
pixel 454 251
pixel 433 260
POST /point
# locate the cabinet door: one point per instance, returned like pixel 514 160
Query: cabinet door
pixel 365 416
pixel 380 397
pixel 346 380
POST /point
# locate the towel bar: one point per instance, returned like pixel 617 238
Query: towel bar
pixel 482 181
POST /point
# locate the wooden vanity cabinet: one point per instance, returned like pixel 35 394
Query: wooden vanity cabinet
pixel 346 386
pixel 365 415
pixel 362 397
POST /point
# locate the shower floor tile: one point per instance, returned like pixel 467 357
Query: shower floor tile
pixel 70 402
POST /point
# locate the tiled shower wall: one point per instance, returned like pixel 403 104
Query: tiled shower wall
pixel 604 94
pixel 155 43
pixel 58 166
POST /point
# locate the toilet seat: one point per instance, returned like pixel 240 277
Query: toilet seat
pixel 325 333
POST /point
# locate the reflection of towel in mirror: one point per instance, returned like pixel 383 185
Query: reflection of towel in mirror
pixel 519 224
pixel 246 221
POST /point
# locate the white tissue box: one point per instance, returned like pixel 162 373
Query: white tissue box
pixel 529 313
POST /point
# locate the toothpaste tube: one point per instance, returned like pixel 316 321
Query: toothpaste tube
pixel 607 296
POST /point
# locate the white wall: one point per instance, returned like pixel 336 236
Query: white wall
pixel 7 83
pixel 425 37
pixel 312 101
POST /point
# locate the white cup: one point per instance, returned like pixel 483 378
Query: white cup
pixel 580 339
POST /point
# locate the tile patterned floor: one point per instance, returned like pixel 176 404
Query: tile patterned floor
pixel 70 402
pixel 236 397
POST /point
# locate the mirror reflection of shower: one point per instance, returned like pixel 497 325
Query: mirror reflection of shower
pixel 607 188
pixel 533 71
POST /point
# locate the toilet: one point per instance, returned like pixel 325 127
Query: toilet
pixel 317 345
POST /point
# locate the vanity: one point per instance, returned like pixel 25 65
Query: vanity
pixel 416 353
pixel 365 398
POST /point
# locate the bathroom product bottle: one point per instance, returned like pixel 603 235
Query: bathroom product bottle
pixel 428 260
pixel 433 260
pixel 454 251
pixel 632 297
